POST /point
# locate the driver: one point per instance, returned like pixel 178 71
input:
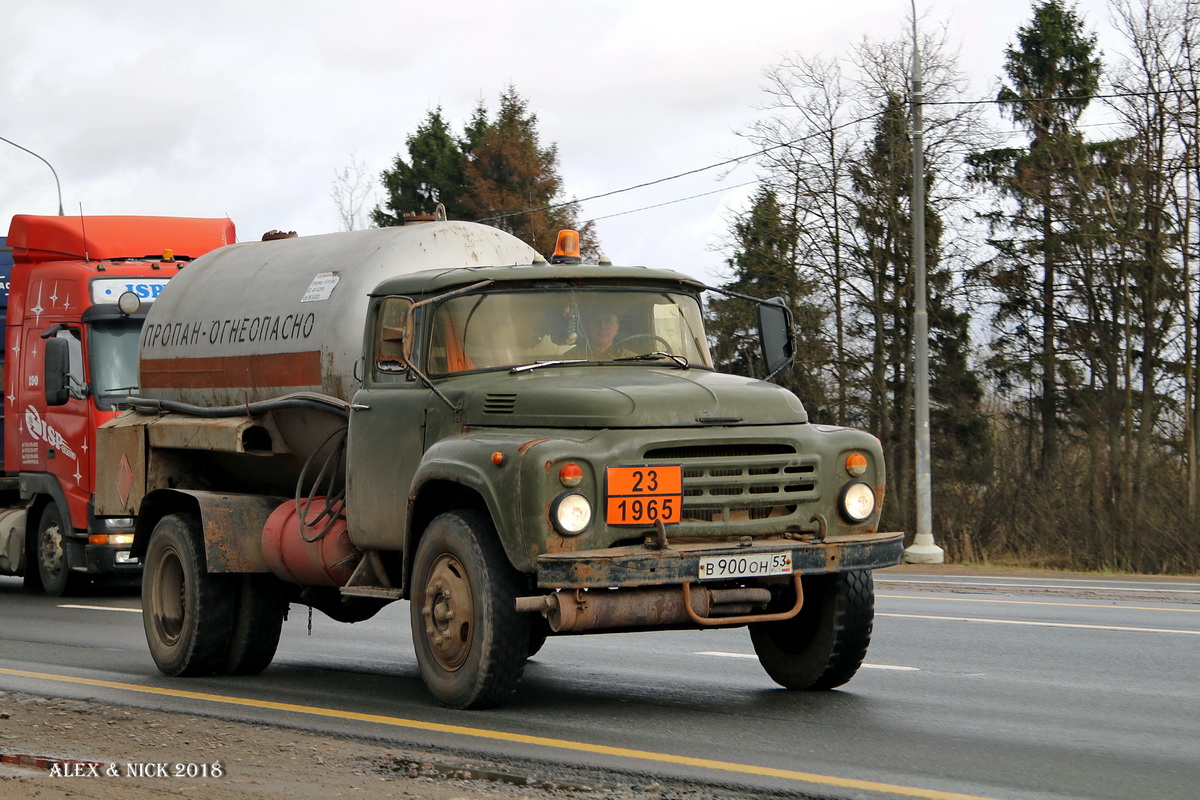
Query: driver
pixel 600 329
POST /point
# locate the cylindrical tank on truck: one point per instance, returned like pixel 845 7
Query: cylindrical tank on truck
pixel 519 447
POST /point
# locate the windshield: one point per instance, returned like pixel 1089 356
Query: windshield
pixel 507 329
pixel 113 347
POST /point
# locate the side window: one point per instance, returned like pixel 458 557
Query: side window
pixel 390 335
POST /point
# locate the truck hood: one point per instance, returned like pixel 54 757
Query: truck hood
pixel 626 397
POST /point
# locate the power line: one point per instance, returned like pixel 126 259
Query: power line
pixel 680 200
pixel 814 135
pixel 725 163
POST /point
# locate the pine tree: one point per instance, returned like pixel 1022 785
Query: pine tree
pixel 1053 70
pixel 432 175
pixel 512 181
pixel 763 266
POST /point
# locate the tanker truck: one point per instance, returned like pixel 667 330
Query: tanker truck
pixel 518 447
pixel 79 291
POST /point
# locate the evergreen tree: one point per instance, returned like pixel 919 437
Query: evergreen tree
pixel 763 266
pixel 512 181
pixel 497 173
pixel 1053 70
pixel 433 174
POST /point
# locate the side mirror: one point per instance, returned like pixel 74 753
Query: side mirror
pixel 57 373
pixel 775 335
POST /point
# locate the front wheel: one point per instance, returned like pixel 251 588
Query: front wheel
pixel 471 642
pixel 53 560
pixel 188 613
pixel 823 646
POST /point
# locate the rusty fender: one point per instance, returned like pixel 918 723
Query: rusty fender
pixel 655 607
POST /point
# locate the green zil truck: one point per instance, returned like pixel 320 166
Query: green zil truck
pixel 520 448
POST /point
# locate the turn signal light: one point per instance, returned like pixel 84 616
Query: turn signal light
pixel 856 464
pixel 570 475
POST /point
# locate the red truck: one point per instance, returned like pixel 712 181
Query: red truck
pixel 78 295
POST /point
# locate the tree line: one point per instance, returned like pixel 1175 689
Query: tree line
pixel 1062 280
pixel 1063 270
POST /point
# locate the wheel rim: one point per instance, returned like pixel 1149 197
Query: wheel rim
pixel 168 598
pixel 448 612
pixel 52 552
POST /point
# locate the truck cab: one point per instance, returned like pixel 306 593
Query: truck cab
pixel 79 293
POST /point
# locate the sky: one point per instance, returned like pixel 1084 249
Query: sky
pixel 249 109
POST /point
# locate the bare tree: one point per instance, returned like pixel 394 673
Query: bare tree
pixel 352 190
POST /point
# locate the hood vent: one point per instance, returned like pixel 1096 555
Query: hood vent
pixel 499 403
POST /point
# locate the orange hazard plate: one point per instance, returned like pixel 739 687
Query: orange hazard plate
pixel 643 495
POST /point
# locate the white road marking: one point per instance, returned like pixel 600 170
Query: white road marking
pixel 751 655
pixel 1044 624
pixel 1084 584
pixel 102 608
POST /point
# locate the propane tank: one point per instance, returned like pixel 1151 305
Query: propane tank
pixel 319 555
pixel 258 320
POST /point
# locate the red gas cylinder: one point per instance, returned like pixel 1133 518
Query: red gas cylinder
pixel 322 556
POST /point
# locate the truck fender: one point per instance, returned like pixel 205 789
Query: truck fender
pixel 463 474
pixel 232 525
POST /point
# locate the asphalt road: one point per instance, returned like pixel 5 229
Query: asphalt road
pixel 978 687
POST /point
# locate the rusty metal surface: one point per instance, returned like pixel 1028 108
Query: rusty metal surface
pixel 679 563
pixel 223 434
pixel 744 617
pixel 233 526
pixel 121 465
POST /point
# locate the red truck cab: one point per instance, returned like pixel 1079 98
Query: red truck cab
pixel 79 292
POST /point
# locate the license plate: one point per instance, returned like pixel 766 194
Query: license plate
pixel 643 495
pixel 758 565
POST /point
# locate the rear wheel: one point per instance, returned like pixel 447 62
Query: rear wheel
pixel 823 646
pixel 188 613
pixel 258 620
pixel 53 559
pixel 470 641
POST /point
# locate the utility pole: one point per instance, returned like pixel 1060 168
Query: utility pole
pixel 922 550
pixel 47 163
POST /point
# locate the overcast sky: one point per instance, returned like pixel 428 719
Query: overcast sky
pixel 249 108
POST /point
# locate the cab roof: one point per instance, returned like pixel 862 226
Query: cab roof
pixel 35 238
pixel 434 281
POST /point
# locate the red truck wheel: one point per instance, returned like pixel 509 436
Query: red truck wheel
pixel 825 644
pixel 187 612
pixel 53 563
pixel 470 641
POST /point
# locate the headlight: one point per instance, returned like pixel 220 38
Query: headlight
pixel 856 501
pixel 571 513
pixel 118 522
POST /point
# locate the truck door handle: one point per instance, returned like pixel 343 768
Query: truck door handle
pixel 359 407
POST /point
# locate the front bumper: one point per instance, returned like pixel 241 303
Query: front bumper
pixel 104 559
pixel 680 563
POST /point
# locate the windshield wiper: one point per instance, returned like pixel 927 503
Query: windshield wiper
pixel 680 361
pixel 537 364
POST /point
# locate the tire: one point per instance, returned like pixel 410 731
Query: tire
pixel 470 641
pixel 257 622
pixel 824 645
pixel 188 613
pixel 53 558
pixel 539 631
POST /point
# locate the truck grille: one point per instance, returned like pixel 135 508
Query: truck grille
pixel 742 482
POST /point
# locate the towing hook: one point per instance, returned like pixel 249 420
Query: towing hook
pixel 659 540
